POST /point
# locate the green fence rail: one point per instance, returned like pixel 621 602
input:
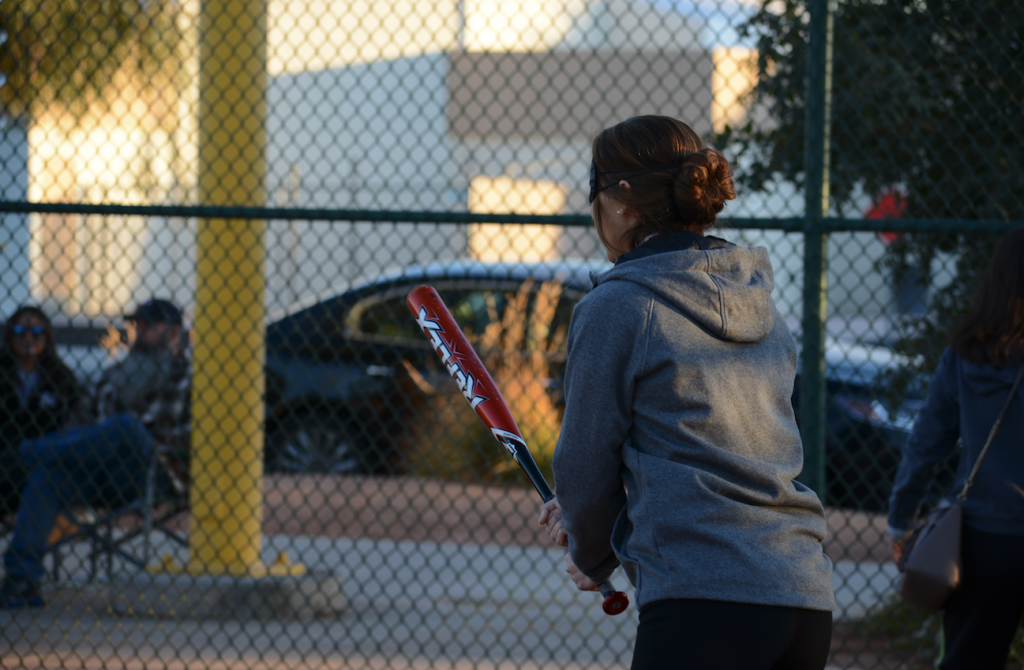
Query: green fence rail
pixel 788 225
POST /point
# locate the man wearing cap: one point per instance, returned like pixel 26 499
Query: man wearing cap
pixel 140 401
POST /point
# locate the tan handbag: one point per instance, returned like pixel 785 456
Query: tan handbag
pixel 930 563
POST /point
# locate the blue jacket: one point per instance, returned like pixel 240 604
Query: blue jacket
pixel 963 402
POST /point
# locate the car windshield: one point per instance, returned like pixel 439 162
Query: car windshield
pixel 493 314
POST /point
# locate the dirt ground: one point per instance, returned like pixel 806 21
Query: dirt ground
pixel 404 508
pixel 413 509
pixel 401 508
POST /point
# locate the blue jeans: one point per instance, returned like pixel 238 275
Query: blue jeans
pixel 102 465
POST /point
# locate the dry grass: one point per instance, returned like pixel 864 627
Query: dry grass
pixel 518 347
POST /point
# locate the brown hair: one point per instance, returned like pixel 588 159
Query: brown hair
pixel 51 344
pixel 993 331
pixel 685 197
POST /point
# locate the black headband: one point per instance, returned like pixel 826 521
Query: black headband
pixel 631 172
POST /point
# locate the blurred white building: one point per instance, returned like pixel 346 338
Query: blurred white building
pixel 482 105
pixel 14 285
pixel 451 105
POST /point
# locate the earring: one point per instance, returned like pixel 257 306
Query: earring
pixel 618 211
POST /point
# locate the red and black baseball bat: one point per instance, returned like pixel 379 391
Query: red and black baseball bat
pixel 483 396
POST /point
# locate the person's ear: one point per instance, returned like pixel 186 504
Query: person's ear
pixel 624 184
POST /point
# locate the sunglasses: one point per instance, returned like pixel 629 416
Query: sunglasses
pixel 594 190
pixel 633 172
pixel 21 331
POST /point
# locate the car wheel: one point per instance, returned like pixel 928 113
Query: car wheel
pixel 315 444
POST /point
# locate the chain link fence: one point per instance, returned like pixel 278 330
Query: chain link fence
pixel 284 172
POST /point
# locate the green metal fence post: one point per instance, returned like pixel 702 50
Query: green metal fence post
pixel 816 161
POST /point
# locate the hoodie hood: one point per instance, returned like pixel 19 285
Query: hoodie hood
pixel 984 380
pixel 727 289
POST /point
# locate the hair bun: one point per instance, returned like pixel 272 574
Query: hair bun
pixel 701 187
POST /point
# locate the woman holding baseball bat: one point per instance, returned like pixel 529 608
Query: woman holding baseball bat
pixel 679 447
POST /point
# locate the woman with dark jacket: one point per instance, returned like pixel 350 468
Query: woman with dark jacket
pixel 970 386
pixel 37 395
pixel 679 449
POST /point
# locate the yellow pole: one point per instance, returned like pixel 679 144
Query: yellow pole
pixel 228 379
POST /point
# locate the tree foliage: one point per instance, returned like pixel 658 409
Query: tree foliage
pixel 927 99
pixel 70 51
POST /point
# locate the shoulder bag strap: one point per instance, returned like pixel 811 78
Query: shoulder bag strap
pixel 991 435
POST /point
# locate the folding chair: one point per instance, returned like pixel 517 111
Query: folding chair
pixel 108 531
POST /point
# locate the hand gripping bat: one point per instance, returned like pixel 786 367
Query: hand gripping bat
pixel 484 397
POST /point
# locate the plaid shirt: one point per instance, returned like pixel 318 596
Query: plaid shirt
pixel 154 386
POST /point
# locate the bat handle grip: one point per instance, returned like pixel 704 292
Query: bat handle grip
pixel 615 602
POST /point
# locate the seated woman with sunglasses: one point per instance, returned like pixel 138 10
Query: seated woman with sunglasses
pixel 38 393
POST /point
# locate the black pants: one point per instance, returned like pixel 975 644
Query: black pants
pixel 983 614
pixel 719 635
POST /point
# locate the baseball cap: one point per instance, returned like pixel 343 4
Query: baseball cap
pixel 157 311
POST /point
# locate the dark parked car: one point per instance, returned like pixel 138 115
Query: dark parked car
pixel 346 376
pixel 865 431
pixel 349 376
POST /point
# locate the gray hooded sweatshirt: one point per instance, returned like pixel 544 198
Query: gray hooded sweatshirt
pixel 679 446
